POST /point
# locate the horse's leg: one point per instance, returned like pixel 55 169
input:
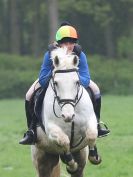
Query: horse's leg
pixel 81 158
pixel 56 171
pixel 57 136
pixel 91 136
pixel 47 165
pixel 91 132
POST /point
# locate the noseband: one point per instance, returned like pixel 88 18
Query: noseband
pixel 63 102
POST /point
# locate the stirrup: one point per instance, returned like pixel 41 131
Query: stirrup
pixel 103 124
pixel 29 138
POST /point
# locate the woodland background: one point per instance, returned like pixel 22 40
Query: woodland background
pixel 105 27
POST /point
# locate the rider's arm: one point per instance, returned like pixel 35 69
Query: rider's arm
pixel 84 73
pixel 46 70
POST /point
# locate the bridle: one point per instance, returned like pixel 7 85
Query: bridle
pixel 63 102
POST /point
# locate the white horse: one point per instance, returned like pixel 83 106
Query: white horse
pixel 69 120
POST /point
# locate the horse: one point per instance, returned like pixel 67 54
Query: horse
pixel 68 119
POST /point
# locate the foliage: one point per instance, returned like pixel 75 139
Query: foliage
pixel 100 23
pixel 115 150
pixel 18 73
pixel 125 47
pixel 99 10
pixel 112 76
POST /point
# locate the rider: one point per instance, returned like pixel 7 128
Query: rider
pixel 65 36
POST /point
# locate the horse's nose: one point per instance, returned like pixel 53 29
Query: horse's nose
pixel 68 118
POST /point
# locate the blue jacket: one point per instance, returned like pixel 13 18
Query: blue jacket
pixel 47 67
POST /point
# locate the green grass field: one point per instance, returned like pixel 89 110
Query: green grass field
pixel 116 150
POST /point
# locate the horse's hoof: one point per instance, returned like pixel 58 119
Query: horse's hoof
pixel 95 160
pixel 93 157
pixel 71 169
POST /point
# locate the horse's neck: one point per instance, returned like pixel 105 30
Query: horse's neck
pixel 85 98
pixel 50 88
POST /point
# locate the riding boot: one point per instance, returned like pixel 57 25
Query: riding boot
pixel 30 136
pixel 102 128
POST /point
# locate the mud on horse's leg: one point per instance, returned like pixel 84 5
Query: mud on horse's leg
pixel 81 158
pixel 49 167
pixel 46 164
pixel 56 170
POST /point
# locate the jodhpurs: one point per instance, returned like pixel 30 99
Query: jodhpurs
pixel 32 89
pixel 95 89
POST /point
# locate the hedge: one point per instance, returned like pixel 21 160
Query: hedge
pixel 18 73
pixel 112 76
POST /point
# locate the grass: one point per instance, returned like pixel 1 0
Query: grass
pixel 116 150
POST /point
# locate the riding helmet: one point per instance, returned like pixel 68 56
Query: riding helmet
pixel 66 33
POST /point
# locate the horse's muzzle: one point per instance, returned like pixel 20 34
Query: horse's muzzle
pixel 68 118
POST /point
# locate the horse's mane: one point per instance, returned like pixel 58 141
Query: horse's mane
pixel 66 60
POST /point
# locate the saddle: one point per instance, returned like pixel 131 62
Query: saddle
pixel 91 94
pixel 36 104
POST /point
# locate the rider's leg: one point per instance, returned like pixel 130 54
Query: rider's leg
pixel 30 136
pixel 97 108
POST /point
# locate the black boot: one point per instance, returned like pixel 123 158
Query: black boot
pixel 102 128
pixel 30 136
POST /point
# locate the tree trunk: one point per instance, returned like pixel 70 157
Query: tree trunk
pixel 53 18
pixel 130 24
pixel 14 27
pixel 2 22
pixel 36 24
pixel 110 49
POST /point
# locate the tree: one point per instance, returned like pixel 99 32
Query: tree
pixel 14 27
pixel 101 13
pixel 36 27
pixel 105 27
pixel 53 18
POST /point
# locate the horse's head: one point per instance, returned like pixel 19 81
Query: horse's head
pixel 63 60
pixel 66 82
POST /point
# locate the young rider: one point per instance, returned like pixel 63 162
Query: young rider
pixel 65 36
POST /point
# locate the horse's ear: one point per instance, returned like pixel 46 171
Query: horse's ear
pixel 75 61
pixel 56 61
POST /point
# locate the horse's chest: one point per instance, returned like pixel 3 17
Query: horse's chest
pixel 75 132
